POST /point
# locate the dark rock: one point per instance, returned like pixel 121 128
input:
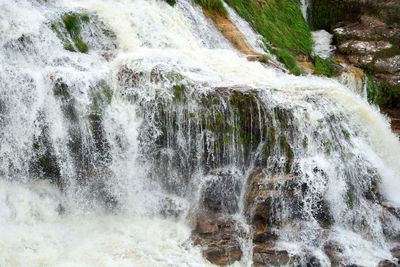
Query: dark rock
pixel 334 252
pixel 396 252
pixel 221 194
pixel 387 263
pixel 274 257
pixel 219 238
pixel 388 65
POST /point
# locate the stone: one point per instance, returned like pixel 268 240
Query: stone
pixel 275 257
pixel 396 252
pixel 363 47
pixel 334 252
pixel 387 263
pixel 388 65
pixel 219 238
pixel 222 192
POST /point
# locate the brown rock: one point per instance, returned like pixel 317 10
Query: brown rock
pixel 334 252
pixel 388 65
pixel 222 256
pixel 273 257
pixel 387 263
pixel 363 47
pixel 219 238
pixel 396 252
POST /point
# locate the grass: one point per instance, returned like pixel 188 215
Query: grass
pixel 72 23
pixel 388 95
pixel 213 6
pixel 281 24
pixel 264 59
pixel 278 21
pixel 286 57
pixel 324 67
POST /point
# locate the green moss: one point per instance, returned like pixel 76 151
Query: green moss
pixel 171 2
pixel 325 67
pixel 287 58
pixel 346 134
pixel 72 23
pixel 327 13
pixel 61 89
pixel 278 21
pixel 371 89
pixel 107 92
pixel 81 45
pixel 350 199
pixel 85 18
pixel 387 95
pixel 213 6
pixel 178 92
pixel 68 46
pixel 264 59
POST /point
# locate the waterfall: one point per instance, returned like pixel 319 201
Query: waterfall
pixel 108 155
pixel 304 4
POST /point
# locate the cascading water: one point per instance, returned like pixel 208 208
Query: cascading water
pixel 107 155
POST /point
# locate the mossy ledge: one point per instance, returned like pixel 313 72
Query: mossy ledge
pixel 69 30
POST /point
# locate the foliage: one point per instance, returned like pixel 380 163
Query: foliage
pixel 287 58
pixel 213 6
pixel 171 2
pixel 371 89
pixel 72 23
pixel 324 67
pixel 278 21
pixel 387 94
pixel 264 58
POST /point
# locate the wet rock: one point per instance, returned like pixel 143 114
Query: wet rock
pixel 221 193
pixel 334 252
pixel 274 257
pixel 396 252
pixel 171 207
pixel 266 195
pixel 363 47
pixel 219 238
pixel 387 263
pixel 388 65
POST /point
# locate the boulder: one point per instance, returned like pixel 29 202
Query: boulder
pixel 219 238
pixel 222 192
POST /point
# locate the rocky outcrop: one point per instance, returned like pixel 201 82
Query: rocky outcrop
pixel 219 238
pixel 367 35
pixel 373 45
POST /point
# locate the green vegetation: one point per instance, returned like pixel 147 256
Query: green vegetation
pixel 264 59
pixel 213 6
pixel 281 24
pixel 350 199
pixel 324 67
pixel 178 92
pixel 171 2
pixel 72 25
pixel 387 94
pixel 278 21
pixel 371 89
pixel 326 13
pixel 287 58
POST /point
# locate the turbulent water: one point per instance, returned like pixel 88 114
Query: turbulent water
pixel 104 155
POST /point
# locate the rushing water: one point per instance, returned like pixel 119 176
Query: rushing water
pixel 102 163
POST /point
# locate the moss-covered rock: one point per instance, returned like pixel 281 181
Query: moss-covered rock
pixel 367 35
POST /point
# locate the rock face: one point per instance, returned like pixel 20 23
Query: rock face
pixel 367 35
pixel 219 237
